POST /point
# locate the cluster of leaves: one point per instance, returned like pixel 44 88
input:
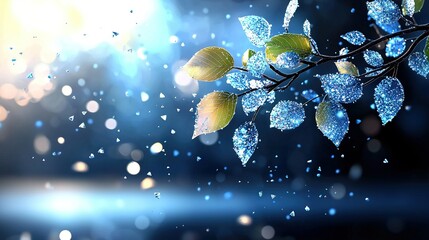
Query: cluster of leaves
pixel 296 52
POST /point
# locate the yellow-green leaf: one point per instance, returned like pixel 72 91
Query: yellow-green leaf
pixel 347 68
pixel 246 56
pixel 419 5
pixel 209 64
pixel 426 51
pixel 287 42
pixel 214 112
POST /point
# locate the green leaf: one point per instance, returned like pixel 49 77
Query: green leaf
pixel 214 112
pixel 287 42
pixel 246 56
pixel 419 5
pixel 426 51
pixel 209 64
pixel 347 68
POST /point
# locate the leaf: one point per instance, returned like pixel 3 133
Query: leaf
pixel 257 64
pixel 383 11
pixel 419 5
pixel 408 7
pixel 419 63
pixel 209 64
pixel 426 51
pixel 245 140
pixel 287 115
pixel 256 28
pixel 388 98
pixel 373 58
pixel 332 121
pixel 246 56
pixel 214 112
pixel 253 100
pixel 290 11
pixel 287 42
pixel 354 37
pixel 238 80
pixel 347 68
pixel 395 47
pixel 342 88
pixel 307 28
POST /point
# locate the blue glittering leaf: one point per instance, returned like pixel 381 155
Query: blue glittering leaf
pixel 257 29
pixel 245 140
pixel 238 80
pixel 253 100
pixel 288 60
pixel 307 28
pixel 419 63
pixel 388 98
pixel 342 88
pixel 332 121
pixel 271 97
pixel 287 115
pixel 373 58
pixel 383 11
pixel 310 94
pixel 395 47
pixel 290 11
pixel 257 64
pixel 354 37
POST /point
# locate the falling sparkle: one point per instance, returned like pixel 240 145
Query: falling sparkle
pixel 419 63
pixel 257 29
pixel 384 11
pixel 257 64
pixel 342 88
pixel 332 120
pixel 253 100
pixel 373 58
pixel 395 47
pixel 245 140
pixel 388 98
pixel 354 37
pixel 238 80
pixel 288 60
pixel 287 115
pixel 290 11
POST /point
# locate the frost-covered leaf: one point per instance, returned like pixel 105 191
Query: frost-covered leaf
pixel 395 47
pixel 238 80
pixel 290 11
pixel 342 88
pixel 256 84
pixel 307 28
pixel 245 140
pixel 253 100
pixel 287 115
pixel 332 121
pixel 271 97
pixel 419 63
pixel 310 94
pixel 354 37
pixel 256 28
pixel 373 58
pixel 288 42
pixel 214 112
pixel 347 68
pixel 288 60
pixel 246 56
pixel 257 64
pixel 391 27
pixel 388 98
pixel 383 11
pixel 209 64
pixel 408 7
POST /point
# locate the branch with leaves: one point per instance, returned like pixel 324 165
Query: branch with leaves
pixel 298 53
